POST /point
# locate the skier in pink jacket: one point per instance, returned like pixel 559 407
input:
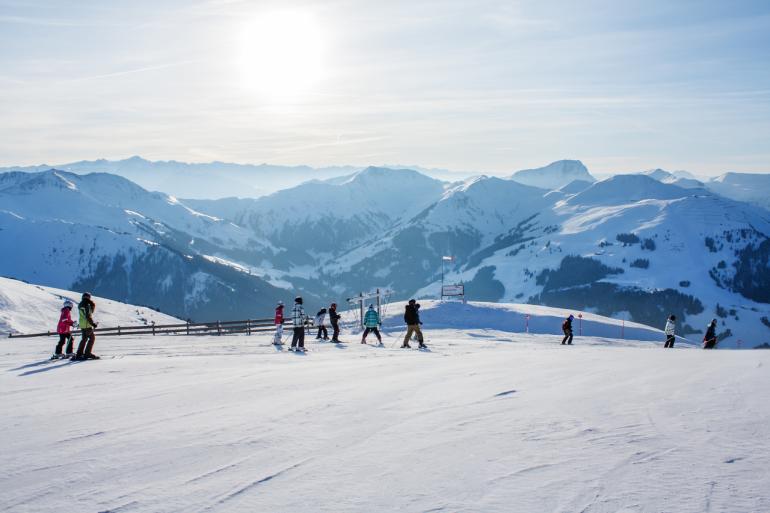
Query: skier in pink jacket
pixel 64 330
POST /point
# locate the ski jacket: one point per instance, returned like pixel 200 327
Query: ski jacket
pixel 567 324
pixel 65 322
pixel 670 327
pixel 371 319
pixel 411 317
pixel 298 315
pixel 86 310
pixel 334 316
pixel 279 315
pixel 320 318
pixel 711 332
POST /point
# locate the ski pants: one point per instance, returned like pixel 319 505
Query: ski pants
pixel 298 337
pixel 278 334
pixel 64 337
pixel 322 329
pixel 710 344
pixel 567 337
pixel 336 333
pixel 669 341
pixel 413 328
pixel 86 342
pixel 371 330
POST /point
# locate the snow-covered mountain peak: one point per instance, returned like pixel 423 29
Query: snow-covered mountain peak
pixel 621 189
pixel 554 175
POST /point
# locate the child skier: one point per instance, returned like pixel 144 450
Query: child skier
pixel 566 327
pixel 670 331
pixel 710 339
pixel 87 324
pixel 371 323
pixel 278 324
pixel 319 322
pixel 334 319
pixel 64 330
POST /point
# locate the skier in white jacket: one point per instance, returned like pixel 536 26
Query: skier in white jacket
pixel 670 331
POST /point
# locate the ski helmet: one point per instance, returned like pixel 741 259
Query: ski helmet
pixel 68 304
pixel 333 305
pixel 673 317
pixel 571 317
pixel 298 299
pixel 86 295
pixel 371 307
pixel 280 303
pixel 412 301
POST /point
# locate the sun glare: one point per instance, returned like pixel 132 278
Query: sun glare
pixel 281 53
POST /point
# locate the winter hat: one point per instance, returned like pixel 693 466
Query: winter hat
pixel 298 299
pixel 673 317
pixel 86 295
pixel 68 304
pixel 333 305
pixel 412 301
pixel 571 316
pixel 371 307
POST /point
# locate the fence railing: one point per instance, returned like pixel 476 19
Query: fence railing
pixel 247 326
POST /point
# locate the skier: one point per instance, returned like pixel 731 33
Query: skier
pixel 87 325
pixel 371 323
pixel 710 339
pixel 566 327
pixel 669 330
pixel 319 321
pixel 298 320
pixel 63 329
pixel 412 320
pixel 334 319
pixel 278 324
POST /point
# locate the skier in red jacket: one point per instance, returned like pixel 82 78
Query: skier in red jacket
pixel 278 324
pixel 64 330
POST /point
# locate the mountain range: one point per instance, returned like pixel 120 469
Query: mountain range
pixel 637 246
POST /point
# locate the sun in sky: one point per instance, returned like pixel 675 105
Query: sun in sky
pixel 281 53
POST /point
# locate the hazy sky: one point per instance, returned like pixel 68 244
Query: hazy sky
pixel 489 86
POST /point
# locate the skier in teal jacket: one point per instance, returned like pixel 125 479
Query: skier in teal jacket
pixel 371 324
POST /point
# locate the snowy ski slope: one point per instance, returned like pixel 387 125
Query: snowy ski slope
pixel 486 421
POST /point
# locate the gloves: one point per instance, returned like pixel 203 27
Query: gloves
pixel 95 325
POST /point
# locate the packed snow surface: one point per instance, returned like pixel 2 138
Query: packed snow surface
pixel 486 420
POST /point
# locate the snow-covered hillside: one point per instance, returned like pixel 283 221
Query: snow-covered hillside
pixel 103 233
pixel 27 308
pixel 484 421
pixel 753 188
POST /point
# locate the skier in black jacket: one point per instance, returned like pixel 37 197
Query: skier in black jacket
pixel 412 321
pixel 710 339
pixel 334 319
pixel 566 327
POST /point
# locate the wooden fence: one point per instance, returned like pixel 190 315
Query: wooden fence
pixel 247 326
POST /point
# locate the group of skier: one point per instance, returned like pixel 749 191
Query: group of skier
pixel 87 326
pixel 709 339
pixel 371 321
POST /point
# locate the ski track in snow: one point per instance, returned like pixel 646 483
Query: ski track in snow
pixel 486 421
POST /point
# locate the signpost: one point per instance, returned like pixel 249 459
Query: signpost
pixel 361 298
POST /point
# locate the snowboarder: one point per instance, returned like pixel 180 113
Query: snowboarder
pixel 298 318
pixel 64 331
pixel 412 320
pixel 566 327
pixel 278 324
pixel 334 319
pixel 371 324
pixel 710 339
pixel 669 330
pixel 87 325
pixel 319 321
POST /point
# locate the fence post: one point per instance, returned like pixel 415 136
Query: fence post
pixel 219 329
pixel 527 323
pixel 623 329
pixel 248 327
pixel 118 330
pixel 153 328
pixel 188 328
